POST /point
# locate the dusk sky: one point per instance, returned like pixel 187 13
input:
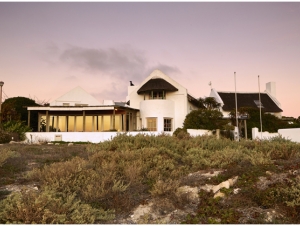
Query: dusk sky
pixel 47 49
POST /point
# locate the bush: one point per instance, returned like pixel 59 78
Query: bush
pixel 4 137
pixel 6 154
pixel 16 127
pixel 48 207
pixel 209 119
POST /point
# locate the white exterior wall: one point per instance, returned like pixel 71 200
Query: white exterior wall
pixel 262 135
pixel 93 137
pixel 291 134
pixel 174 106
pixel 76 96
pixel 199 132
pixel 214 93
pixel 159 109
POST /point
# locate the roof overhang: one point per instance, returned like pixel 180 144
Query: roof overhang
pixel 77 108
pixel 157 84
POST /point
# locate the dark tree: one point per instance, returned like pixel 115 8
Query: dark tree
pixel 209 119
pixel 14 109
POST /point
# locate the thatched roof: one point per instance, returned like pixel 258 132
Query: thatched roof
pixel 248 100
pixel 157 84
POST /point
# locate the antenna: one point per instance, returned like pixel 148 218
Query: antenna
pixel 236 114
pixel 260 108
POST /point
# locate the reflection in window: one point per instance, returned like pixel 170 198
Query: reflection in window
pixel 151 124
pixel 167 124
pixel 106 122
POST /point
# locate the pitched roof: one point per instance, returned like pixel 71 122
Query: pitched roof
pixel 76 95
pixel 248 100
pixel 157 84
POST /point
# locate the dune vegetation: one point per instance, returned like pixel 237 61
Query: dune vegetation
pixel 107 182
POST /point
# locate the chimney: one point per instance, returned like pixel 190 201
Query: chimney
pixel 271 88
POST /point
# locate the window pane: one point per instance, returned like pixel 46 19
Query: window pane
pixel 106 122
pixel 79 123
pixel 71 120
pixel 167 124
pixel 151 124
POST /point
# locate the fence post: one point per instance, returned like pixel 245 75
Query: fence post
pixel 218 134
pixel 254 133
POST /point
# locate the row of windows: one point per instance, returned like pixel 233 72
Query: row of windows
pixel 152 124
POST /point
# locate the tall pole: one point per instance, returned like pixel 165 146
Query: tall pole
pixel 1 84
pixel 236 114
pixel 259 108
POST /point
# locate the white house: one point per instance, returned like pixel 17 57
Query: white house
pixel 268 101
pixel 162 102
pixel 159 104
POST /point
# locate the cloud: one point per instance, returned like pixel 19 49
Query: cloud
pixel 115 67
pixel 125 63
pixel 70 79
pixel 112 92
pixel 168 70
pixel 122 63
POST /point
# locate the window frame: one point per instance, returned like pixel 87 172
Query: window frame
pixel 168 126
pixel 150 126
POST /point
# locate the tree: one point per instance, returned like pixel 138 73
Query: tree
pixel 14 109
pixel 208 103
pixel 209 119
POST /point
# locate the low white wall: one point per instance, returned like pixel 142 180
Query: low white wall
pixel 93 137
pixel 291 134
pixel 262 135
pixel 198 132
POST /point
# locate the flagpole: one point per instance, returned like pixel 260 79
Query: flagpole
pixel 236 114
pixel 260 108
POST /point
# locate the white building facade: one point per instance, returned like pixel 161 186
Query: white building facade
pixel 158 104
pixel 163 103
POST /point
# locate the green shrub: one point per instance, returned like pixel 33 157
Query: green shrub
pixel 4 137
pixel 16 127
pixel 6 154
pixel 49 207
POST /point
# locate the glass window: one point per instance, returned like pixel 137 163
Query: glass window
pixel 106 122
pixel 151 124
pixel 167 124
pixel 157 95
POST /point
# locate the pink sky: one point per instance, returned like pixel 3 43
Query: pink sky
pixel 47 49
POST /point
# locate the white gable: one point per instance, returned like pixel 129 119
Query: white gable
pixel 76 96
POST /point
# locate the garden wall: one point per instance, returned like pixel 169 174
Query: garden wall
pixel 290 134
pixel 198 132
pixel 93 137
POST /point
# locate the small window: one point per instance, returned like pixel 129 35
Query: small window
pixel 81 105
pixel 157 95
pixel 66 104
pixel 167 124
pixel 258 103
pixel 151 124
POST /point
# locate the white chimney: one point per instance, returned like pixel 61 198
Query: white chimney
pixel 271 88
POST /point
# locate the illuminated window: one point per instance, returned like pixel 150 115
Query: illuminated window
pixel 151 124
pixel 167 124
